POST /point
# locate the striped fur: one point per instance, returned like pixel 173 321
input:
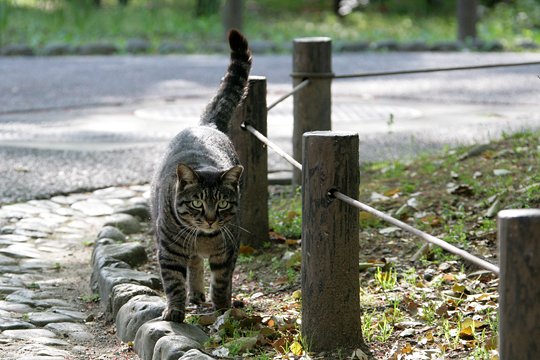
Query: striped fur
pixel 195 197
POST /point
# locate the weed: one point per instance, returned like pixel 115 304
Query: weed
pixel 385 330
pixel 367 326
pixel 192 319
pixel 285 215
pixel 428 313
pixel 411 276
pixel 292 276
pixel 91 298
pixel 386 279
pixel 33 285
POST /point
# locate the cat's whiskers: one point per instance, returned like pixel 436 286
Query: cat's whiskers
pixel 228 236
pixel 188 235
pixel 241 228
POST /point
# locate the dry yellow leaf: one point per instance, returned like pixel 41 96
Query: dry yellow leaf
pixel 296 348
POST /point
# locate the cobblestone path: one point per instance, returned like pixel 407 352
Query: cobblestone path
pixel 46 307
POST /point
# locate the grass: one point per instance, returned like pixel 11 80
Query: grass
pixel 438 306
pixel 42 22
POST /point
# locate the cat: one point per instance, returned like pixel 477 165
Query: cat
pixel 195 194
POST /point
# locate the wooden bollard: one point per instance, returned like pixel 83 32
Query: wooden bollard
pixel 330 242
pixel 312 59
pixel 519 287
pixel 252 215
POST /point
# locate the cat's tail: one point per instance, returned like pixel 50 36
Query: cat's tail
pixel 233 88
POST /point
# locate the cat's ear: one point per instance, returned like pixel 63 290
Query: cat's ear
pixel 186 176
pixel 232 176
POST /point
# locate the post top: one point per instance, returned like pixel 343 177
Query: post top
pixel 257 77
pixel 328 133
pixel 518 213
pixel 315 39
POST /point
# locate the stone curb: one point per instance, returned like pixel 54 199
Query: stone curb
pixel 129 297
pixel 143 46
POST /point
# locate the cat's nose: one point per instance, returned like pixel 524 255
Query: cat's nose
pixel 210 222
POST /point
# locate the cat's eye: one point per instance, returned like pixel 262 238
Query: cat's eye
pixel 223 204
pixel 197 204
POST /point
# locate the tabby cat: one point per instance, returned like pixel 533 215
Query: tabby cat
pixel 195 197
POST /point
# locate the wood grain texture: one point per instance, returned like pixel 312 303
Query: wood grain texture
pixel 253 212
pixel 313 104
pixel 519 288
pixel 330 243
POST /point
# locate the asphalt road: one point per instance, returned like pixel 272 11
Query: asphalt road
pixel 75 123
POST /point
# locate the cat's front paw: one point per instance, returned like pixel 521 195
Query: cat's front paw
pixel 173 314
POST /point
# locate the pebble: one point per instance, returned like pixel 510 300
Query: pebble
pixel 126 223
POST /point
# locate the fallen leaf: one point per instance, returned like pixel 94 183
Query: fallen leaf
pixel 359 354
pixel 407 349
pixel 246 250
pixel 389 230
pixel 291 215
pixel 475 151
pixel 280 344
pixel 250 322
pixel 501 172
pixel 459 289
pixel 460 190
pixel 392 192
pixel 448 278
pixel 221 352
pixel 296 348
pixel 411 306
pixel 376 197
pixel 205 320
pixel 293 242
pixel 466 333
pixel 491 343
pixel 442 310
pixel 274 236
pixel 407 333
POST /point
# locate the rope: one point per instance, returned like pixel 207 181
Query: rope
pixel 429 238
pixel 425 236
pixel 271 145
pixel 421 71
pixel 297 88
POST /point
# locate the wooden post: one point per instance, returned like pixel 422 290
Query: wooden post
pixel 466 19
pixel 519 292
pixel 253 212
pixel 330 243
pixel 313 104
pixel 233 18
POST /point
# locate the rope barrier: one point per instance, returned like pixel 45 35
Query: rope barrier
pixel 422 71
pixel 271 145
pixel 330 75
pixel 408 72
pixel 425 236
pixel 297 88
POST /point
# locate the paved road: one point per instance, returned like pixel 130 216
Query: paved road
pixel 71 123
